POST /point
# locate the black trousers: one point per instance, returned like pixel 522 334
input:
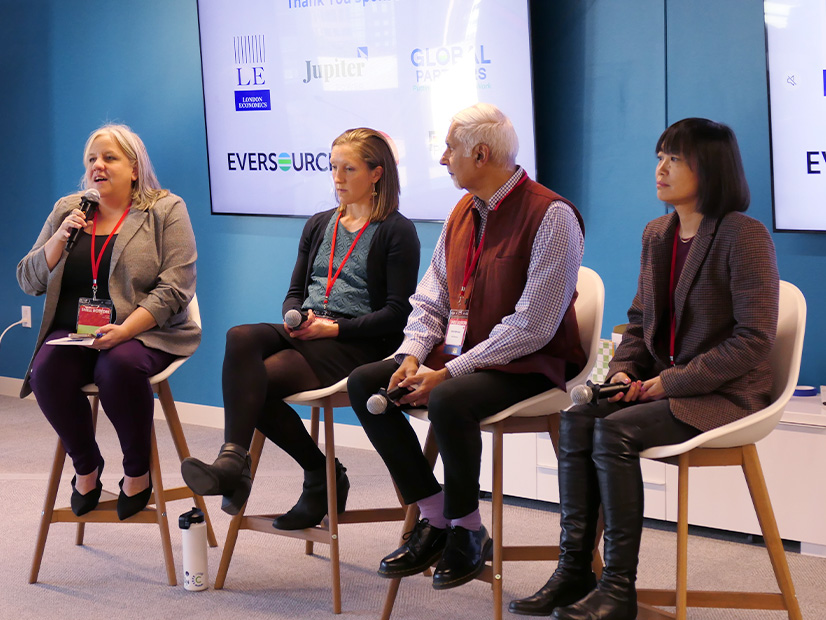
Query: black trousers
pixel 455 408
pixel 651 423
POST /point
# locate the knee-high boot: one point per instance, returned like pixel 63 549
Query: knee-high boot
pixel 579 512
pixel 617 461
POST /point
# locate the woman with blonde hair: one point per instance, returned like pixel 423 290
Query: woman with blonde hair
pixel 357 265
pixel 126 280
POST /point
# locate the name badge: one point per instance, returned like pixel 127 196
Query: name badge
pixel 94 313
pixel 456 332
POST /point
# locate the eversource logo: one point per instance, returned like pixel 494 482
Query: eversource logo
pixel 297 162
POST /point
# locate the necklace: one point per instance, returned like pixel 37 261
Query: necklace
pixel 687 239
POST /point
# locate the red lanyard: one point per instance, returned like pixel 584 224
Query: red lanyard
pixel 96 263
pixel 471 261
pixel 672 285
pixel 331 279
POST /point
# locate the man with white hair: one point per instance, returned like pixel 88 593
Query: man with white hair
pixel 493 323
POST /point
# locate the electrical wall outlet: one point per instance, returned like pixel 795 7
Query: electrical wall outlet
pixel 26 315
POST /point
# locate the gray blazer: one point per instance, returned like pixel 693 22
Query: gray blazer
pixel 153 266
pixel 726 305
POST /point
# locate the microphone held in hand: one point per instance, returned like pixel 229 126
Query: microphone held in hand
pixel 294 318
pixel 378 403
pixel 88 203
pixel 590 393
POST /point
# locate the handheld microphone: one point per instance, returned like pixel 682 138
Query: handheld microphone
pixel 88 203
pixel 590 393
pixel 378 403
pixel 294 318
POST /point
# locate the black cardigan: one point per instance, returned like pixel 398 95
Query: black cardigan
pixel 392 275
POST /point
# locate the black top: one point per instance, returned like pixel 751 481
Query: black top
pixel 77 278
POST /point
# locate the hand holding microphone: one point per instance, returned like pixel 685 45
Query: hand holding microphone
pixel 379 402
pixel 88 203
pixel 295 318
pixel 591 393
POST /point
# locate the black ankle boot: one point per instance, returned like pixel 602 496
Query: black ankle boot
pixel 579 508
pixel 312 505
pixel 616 457
pixel 229 476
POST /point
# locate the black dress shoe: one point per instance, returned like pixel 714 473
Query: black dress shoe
pixel 423 546
pixel 130 505
pixel 464 557
pixel 563 588
pixel 81 504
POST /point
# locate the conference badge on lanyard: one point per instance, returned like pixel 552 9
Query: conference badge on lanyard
pixel 93 314
pixel 456 332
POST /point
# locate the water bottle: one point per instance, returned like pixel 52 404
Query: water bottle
pixel 194 538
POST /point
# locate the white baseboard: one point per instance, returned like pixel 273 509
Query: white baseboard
pixel 347 435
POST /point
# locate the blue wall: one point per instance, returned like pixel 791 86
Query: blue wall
pixel 609 77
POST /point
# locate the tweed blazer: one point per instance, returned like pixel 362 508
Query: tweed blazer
pixel 726 304
pixel 152 266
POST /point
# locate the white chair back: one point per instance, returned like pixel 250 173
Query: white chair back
pixel 589 304
pixel 785 363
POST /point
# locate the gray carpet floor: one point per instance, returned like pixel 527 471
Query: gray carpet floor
pixel 119 571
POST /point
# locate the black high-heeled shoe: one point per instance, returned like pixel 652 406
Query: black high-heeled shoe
pixel 83 503
pixel 130 505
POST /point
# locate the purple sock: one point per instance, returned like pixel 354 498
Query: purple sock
pixel 433 509
pixel 472 521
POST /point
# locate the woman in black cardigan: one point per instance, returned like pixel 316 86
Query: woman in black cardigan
pixel 357 266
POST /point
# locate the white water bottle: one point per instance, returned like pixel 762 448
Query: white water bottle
pixel 194 539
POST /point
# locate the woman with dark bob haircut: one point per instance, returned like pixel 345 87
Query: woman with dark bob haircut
pixel 694 357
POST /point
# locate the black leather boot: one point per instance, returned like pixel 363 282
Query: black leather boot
pixel 229 476
pixel 312 505
pixel 617 460
pixel 579 508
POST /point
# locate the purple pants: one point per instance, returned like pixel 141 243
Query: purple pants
pixel 122 375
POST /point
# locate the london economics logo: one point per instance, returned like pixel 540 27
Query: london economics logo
pixel 250 64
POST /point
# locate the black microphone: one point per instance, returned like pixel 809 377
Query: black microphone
pixel 590 393
pixel 88 203
pixel 294 318
pixel 378 403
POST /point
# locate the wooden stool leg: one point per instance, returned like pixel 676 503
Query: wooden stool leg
pixel 393 588
pixel 768 525
pixel 48 509
pixel 173 421
pixel 431 453
pixel 160 510
pixel 314 421
pixel 682 537
pixel 497 501
pixel 235 525
pixel 332 507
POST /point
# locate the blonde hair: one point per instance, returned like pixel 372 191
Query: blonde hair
pixel 146 190
pixel 374 149
pixel 484 123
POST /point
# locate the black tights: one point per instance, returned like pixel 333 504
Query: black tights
pixel 260 369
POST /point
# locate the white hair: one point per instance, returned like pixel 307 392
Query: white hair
pixel 484 123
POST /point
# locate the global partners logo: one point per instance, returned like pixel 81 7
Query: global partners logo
pixel 250 67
